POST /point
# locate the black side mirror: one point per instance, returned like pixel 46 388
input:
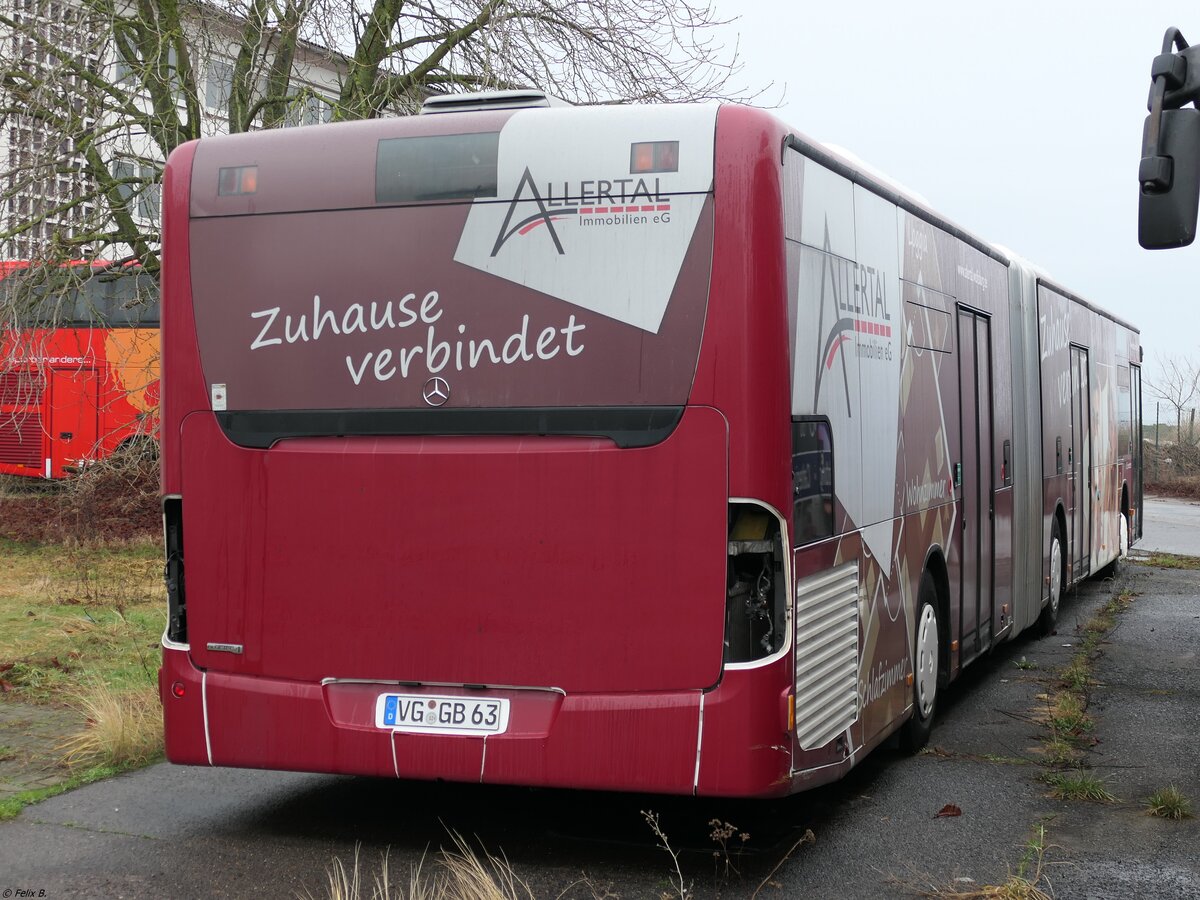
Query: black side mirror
pixel 1169 173
pixel 1170 181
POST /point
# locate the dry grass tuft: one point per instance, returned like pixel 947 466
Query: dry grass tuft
pixel 461 874
pixel 1024 884
pixel 346 884
pixel 343 885
pixel 1169 803
pixel 470 877
pixel 123 729
pixel 1015 887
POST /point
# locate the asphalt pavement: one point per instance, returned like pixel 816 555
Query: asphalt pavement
pixel 1171 526
pixel 1147 710
pixel 170 831
pixel 886 840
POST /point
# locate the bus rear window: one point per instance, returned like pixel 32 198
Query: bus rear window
pixel 439 167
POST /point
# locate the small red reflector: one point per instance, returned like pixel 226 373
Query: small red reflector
pixel 654 156
pixel 233 181
pixel 178 690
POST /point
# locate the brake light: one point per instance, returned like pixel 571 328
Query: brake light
pixel 233 181
pixel 654 156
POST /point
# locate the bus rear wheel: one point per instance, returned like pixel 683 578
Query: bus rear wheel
pixel 914 734
pixel 1049 617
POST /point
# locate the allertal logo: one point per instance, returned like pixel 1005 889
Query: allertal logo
pixel 592 203
pixel 857 295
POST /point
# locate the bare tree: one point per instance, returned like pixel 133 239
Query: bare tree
pixel 95 94
pixel 1178 385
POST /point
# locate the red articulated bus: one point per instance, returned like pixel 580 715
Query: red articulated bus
pixel 630 448
pixel 78 369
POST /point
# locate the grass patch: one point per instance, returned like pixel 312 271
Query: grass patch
pixel 1169 803
pixel 1004 760
pixel 1068 725
pixel 81 626
pixel 1023 884
pixel 1061 753
pixel 72 615
pixel 1173 561
pixel 1078 675
pixel 10 807
pixel 1068 718
pixel 1078 786
pixel 1102 623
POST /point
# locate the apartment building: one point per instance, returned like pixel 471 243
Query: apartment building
pixel 69 55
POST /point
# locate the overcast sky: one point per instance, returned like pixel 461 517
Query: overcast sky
pixel 1020 121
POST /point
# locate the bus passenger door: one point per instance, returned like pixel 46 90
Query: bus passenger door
pixel 74 415
pixel 975 475
pixel 1079 464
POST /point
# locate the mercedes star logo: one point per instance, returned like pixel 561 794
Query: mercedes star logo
pixel 436 391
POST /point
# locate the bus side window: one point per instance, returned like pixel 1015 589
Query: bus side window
pixel 812 479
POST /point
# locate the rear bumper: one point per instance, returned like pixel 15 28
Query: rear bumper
pixel 717 742
pixel 26 471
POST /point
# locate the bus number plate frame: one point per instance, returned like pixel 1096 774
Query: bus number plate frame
pixel 442 714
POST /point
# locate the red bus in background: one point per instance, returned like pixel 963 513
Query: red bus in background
pixel 78 369
pixel 628 448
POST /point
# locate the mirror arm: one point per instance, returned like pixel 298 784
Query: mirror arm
pixel 1170 88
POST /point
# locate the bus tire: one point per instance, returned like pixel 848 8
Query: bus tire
pixel 1113 569
pixel 1049 617
pixel 927 649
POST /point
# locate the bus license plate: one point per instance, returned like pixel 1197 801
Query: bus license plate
pixel 429 714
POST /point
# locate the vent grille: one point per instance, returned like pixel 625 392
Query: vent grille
pixel 21 419
pixel 826 655
pixel 21 389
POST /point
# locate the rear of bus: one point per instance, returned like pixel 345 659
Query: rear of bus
pixel 458 415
